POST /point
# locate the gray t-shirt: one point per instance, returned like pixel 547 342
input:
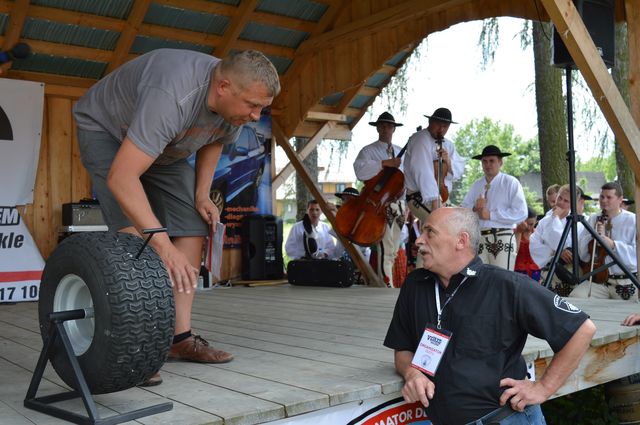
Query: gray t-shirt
pixel 158 100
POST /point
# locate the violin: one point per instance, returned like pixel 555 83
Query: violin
pixel 598 254
pixel 441 169
pixel 363 219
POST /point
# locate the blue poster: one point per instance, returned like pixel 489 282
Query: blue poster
pixel 242 180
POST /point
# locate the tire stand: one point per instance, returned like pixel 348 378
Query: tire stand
pixel 44 404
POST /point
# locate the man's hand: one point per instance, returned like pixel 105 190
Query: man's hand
pixel 523 393
pixel 632 319
pixel 567 256
pixel 394 162
pixel 481 203
pixel 208 210
pixel 417 387
pixel 184 277
pixel 560 212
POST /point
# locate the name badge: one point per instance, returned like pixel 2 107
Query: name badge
pixel 431 350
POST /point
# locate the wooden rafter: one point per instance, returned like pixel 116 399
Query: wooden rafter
pixel 387 18
pixel 237 24
pixel 14 28
pixel 128 35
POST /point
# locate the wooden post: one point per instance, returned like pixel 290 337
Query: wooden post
pixel 356 255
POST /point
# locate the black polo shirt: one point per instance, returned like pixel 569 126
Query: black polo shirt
pixel 490 316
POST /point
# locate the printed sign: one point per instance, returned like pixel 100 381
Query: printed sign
pixel 21 105
pixel 21 264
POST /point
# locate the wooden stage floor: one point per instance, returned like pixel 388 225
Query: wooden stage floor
pixel 297 350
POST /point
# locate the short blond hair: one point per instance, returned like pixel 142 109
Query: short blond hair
pixel 249 66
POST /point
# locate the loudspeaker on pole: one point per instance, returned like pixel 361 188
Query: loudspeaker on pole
pixel 599 18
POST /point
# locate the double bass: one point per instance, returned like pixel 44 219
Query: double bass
pixel 598 254
pixel 362 219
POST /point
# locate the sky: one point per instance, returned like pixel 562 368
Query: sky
pixel 449 74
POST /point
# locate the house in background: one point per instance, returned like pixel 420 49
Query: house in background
pixel 589 181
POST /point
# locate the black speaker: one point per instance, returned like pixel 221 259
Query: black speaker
pixel 262 247
pixel 598 17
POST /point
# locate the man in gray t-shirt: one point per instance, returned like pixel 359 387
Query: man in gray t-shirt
pixel 137 126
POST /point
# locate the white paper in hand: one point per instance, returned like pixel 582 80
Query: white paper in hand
pixel 213 255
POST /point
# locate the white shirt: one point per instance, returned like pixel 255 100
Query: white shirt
pixel 623 232
pixel 418 165
pixel 545 239
pixel 294 246
pixel 505 201
pixel 368 163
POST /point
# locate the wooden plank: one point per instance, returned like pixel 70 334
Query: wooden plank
pixel 579 43
pixel 128 34
pixel 59 156
pixel 80 180
pixel 64 91
pixel 64 50
pixel 14 26
pixel 41 202
pixel 325 116
pixel 59 80
pixel 238 21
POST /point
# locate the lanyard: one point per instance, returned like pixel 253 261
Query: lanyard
pixel 440 310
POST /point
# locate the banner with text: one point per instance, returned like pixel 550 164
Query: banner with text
pixel 21 264
pixel 21 105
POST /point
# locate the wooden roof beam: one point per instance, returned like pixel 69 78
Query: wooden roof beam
pixel 237 24
pixel 128 34
pixel 389 17
pixel 17 16
pixel 583 51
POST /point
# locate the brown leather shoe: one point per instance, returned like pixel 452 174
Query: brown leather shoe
pixel 156 379
pixel 196 349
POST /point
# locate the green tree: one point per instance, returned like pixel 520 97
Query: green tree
pixel 472 138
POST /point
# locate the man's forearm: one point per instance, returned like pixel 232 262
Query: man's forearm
pixel 565 361
pixel 206 161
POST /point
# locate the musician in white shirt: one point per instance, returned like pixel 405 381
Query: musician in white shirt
pixel 423 150
pixel 618 230
pixel 370 161
pixel 499 201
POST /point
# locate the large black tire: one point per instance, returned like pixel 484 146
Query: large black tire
pixel 129 336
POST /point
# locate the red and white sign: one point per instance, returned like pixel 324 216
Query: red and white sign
pixel 384 410
pixel 21 264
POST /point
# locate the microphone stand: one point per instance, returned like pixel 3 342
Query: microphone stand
pixel 573 218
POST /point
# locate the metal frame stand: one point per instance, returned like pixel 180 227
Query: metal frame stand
pixel 43 404
pixel 573 218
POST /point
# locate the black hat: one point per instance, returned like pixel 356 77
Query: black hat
pixel 583 195
pixel 628 201
pixel 385 117
pixel 350 191
pixel 441 114
pixel 491 150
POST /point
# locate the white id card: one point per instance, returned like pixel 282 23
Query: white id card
pixel 431 350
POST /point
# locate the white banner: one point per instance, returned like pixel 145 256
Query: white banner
pixel 21 105
pixel 21 264
pixel 384 410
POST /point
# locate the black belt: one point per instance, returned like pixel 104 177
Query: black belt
pixel 494 230
pixel 417 198
pixel 618 276
pixel 494 418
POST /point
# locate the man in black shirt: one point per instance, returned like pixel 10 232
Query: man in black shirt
pixel 485 313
